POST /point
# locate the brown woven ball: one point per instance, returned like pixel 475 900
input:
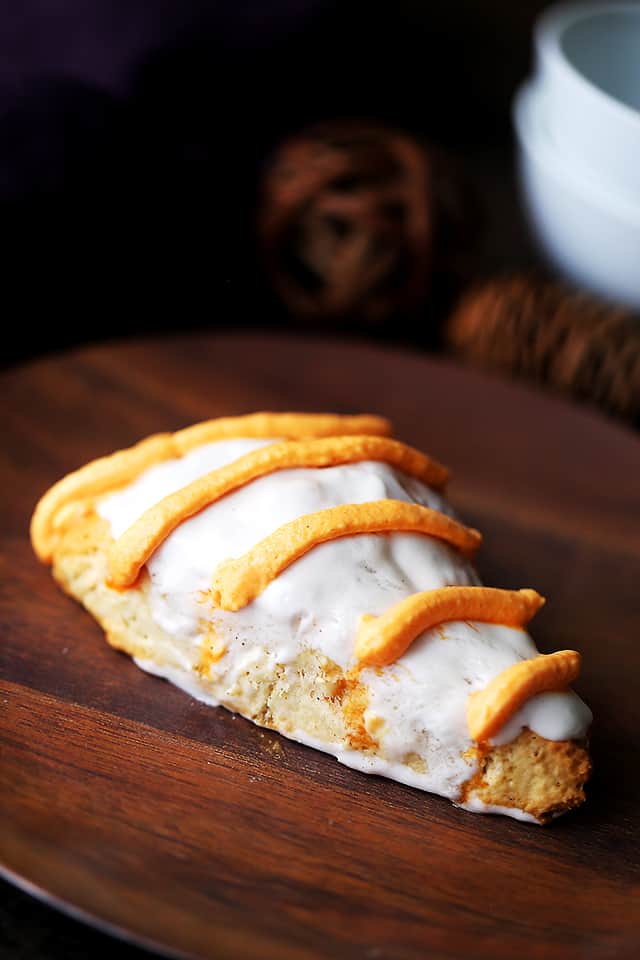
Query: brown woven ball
pixel 549 333
pixel 349 222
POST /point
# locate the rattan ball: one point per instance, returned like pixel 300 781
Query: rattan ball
pixel 547 332
pixel 355 219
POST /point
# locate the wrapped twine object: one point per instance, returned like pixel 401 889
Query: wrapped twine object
pixel 551 334
pixel 355 219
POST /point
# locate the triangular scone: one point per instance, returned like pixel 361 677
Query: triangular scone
pixel 305 571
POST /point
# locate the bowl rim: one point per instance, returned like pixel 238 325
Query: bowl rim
pixel 548 31
pixel 526 104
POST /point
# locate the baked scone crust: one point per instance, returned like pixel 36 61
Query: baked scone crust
pixel 314 696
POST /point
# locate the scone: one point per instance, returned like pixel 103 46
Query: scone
pixel 305 571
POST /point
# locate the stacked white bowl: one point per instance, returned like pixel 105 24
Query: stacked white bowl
pixel 577 121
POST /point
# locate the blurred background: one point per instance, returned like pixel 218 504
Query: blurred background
pixel 134 138
pixel 138 144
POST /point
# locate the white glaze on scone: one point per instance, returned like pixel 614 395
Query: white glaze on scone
pixel 417 705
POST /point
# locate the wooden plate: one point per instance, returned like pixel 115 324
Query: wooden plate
pixel 183 827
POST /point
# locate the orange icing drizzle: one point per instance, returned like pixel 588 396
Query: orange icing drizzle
pixel 122 467
pixel 490 708
pixel 290 426
pixel 133 548
pixel 381 640
pixel 237 582
pixel 94 478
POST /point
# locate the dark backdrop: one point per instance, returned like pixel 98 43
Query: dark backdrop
pixel 133 136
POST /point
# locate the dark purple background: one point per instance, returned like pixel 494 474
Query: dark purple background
pixel 133 135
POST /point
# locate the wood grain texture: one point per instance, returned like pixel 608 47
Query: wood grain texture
pixel 193 830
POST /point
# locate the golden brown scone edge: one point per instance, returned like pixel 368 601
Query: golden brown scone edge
pixel 541 777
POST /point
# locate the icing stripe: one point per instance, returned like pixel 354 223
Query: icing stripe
pixel 381 640
pixel 489 709
pixel 289 426
pixel 95 478
pixel 237 582
pixel 122 467
pixel 133 548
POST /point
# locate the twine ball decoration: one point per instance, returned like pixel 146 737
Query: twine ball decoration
pixel 554 335
pixel 348 222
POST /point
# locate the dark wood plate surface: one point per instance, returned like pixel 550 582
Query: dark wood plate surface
pixel 183 827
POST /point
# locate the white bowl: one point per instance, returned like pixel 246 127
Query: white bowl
pixel 590 232
pixel 588 69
